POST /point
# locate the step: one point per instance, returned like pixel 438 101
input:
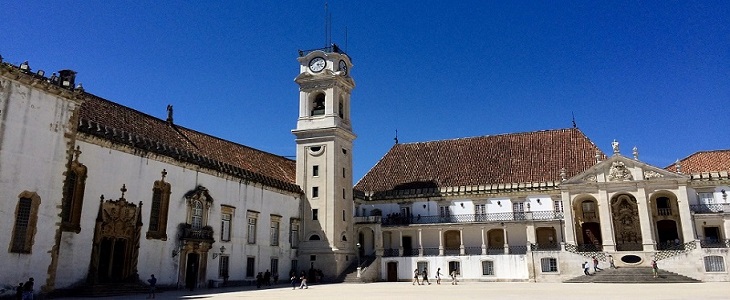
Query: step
pixel 632 275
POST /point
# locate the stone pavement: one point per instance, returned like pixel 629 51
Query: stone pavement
pixel 465 290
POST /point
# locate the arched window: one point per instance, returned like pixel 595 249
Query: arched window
pixel 73 194
pixel 197 214
pixel 589 209
pixel 341 110
pixel 26 218
pixel 663 206
pixel 158 210
pixel 314 237
pixel 318 105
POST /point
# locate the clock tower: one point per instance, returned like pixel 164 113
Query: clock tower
pixel 324 160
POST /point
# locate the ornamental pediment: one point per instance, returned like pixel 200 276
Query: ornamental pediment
pixel 619 168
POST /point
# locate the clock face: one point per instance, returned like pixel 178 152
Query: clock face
pixel 343 67
pixel 317 64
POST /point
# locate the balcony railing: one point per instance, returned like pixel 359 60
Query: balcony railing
pixel 710 208
pixel 391 252
pixel 203 234
pixel 664 211
pixel 545 247
pixel 370 219
pixel 469 250
pixel 670 246
pixel 712 243
pixel 397 219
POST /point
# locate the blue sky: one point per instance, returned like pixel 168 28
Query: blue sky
pixel 649 74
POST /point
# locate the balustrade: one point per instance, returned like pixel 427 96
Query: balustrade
pixel 709 208
pixel 399 220
pixel 713 243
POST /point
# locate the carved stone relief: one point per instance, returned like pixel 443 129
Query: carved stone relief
pixel 619 172
pixel 652 174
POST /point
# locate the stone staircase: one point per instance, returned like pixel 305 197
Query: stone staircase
pixel 632 275
pixel 350 274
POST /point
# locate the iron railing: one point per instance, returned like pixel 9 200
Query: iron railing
pixel 670 246
pixel 431 251
pixel 202 234
pixel 710 208
pixel 713 243
pixel 629 247
pixel 369 219
pixel 391 252
pixel 545 247
pixel 517 249
pixel 473 250
pixel 397 219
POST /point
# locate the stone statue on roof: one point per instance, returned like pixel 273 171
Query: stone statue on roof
pixel 614 144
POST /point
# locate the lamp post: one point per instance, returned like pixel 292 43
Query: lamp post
pixel 358 260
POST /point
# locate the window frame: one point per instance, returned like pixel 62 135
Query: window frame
pixel 714 264
pixel 488 270
pixel 223 266
pixel 549 265
pixel 73 194
pixel 27 232
pixel 274 229
pixel 159 209
pixel 294 233
pixel 251 224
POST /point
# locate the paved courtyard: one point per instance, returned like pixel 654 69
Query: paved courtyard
pixel 465 290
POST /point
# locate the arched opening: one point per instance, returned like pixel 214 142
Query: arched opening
pixel 627 228
pixel 452 242
pixel 546 238
pixel 318 105
pixel 314 237
pixel 592 239
pixel 667 236
pixel 495 241
pixel 663 206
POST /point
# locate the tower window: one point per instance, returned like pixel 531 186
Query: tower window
pixel 318 108
pixel 341 110
pixel 315 191
pixel 315 170
pixel 315 214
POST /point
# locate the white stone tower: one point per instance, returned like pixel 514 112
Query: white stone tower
pixel 324 160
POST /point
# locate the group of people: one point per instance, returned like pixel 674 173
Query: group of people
pixel 424 275
pixel 264 278
pixel 586 266
pixel 24 291
pixel 300 280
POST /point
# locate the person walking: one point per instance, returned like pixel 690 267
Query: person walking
pixel 453 277
pixel 153 282
pixel 438 276
pixel 595 265
pixel 293 280
pixel 303 279
pixel 415 277
pixel 425 276
pixel 611 264
pixel 654 268
pixel 586 268
pixel 19 292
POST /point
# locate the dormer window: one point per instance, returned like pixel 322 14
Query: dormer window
pixel 318 108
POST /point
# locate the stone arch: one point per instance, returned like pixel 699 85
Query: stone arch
pixel 626 224
pixel 452 240
pixel 366 238
pixel 664 208
pixel 495 241
pixel 587 221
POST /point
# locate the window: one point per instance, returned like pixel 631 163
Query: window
pixel 250 266
pixel 314 237
pixel 487 267
pixel 294 233
pixel 313 258
pixel 343 173
pixel 589 209
pixel 549 264
pixel 422 265
pixel 274 265
pixel 315 170
pixel 223 266
pixel 714 264
pixel 159 208
pixel 454 266
pixel 26 218
pixel 480 212
pixel 518 208
pixel 558 206
pixel 707 198
pixel 318 105
pixel 343 194
pixel 315 191
pixel 197 213
pixel 252 217
pixel 73 194
pixel 226 227
pixel 343 215
pixel 341 107
pixel 315 214
pixel 444 211
pixel 275 221
pixel 405 211
pixel 294 265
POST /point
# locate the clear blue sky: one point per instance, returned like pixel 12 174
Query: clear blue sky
pixel 651 75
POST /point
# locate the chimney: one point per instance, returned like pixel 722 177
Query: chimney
pixel 67 78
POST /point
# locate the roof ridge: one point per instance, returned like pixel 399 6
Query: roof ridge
pixel 493 135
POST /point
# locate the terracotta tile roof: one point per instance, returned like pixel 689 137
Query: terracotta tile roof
pixel 703 161
pixel 507 158
pixel 123 125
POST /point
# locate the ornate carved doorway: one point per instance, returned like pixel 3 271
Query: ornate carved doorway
pixel 115 247
pixel 626 226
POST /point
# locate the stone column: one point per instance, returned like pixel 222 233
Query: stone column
pixel 604 214
pixel 378 241
pixel 420 242
pixel 400 242
pixel 461 241
pixel 645 220
pixel 441 242
pixel 568 218
pixel 685 216
pixel 484 246
pixel 530 231
pixel 506 240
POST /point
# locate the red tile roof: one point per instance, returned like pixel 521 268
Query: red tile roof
pixel 507 158
pixel 123 125
pixel 703 161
